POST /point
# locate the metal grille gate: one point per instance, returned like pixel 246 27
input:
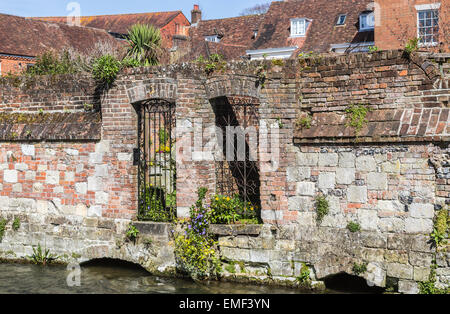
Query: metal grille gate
pixel 239 176
pixel 156 160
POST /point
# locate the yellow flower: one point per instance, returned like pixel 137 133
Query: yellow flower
pixel 217 198
pixel 252 208
pixel 228 198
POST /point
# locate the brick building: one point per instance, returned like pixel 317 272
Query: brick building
pixel 172 24
pixel 21 40
pixel 287 27
pixel 398 21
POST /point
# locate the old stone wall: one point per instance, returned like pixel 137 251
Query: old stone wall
pixel 66 165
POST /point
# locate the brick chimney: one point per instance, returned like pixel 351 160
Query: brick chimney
pixel 196 14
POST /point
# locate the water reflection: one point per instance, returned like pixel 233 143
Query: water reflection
pixel 108 279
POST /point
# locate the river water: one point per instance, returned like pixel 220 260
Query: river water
pixel 110 279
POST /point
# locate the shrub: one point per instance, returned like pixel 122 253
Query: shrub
pixel 412 45
pixel 353 226
pixel 195 249
pixel 322 207
pixel 144 44
pixel 132 232
pixel 357 114
pixel 42 257
pixel 51 63
pixel 359 269
pixel 3 223
pixel 16 224
pixel 105 69
pixel 440 230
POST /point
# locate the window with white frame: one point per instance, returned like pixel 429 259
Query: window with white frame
pixel 367 21
pixel 341 19
pixel 428 27
pixel 213 38
pixel 298 27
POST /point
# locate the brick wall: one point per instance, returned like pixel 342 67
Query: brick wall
pixel 389 177
pixel 397 23
pixel 13 65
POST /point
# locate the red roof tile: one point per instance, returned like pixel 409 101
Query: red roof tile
pixel 120 23
pixel 25 37
pixel 274 30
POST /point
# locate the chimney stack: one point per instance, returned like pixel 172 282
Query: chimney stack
pixel 196 14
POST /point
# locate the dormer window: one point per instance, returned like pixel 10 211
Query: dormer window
pixel 298 27
pixel 341 19
pixel 213 38
pixel 366 21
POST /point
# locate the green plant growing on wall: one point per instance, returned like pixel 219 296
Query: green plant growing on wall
pixel 3 223
pixel 195 250
pixel 429 286
pixel 322 207
pixel 105 70
pixel 357 116
pixel 277 62
pixel 261 75
pixel 305 275
pixel 16 224
pixel 132 233
pixel 373 49
pixel 353 227
pixel 441 227
pixel 212 64
pixel 412 45
pixel 50 63
pixel 231 267
pixel 304 122
pixel 359 269
pixel 42 257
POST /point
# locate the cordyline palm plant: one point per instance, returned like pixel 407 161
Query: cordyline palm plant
pixel 145 44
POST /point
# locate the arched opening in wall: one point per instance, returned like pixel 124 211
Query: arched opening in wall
pixel 112 263
pixel 346 283
pixel 156 160
pixel 237 168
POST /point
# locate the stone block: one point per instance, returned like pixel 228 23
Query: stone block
pixel 101 170
pixel 421 273
pixel 418 210
pixel 377 181
pixel 300 203
pixel 95 184
pixel 52 177
pixel 357 194
pixel 347 160
pixel 400 271
pixel 101 198
pixel 345 175
pixel 420 259
pixel 10 176
pixel 328 159
pixel 418 225
pixel 306 188
pixel 408 287
pixel 94 211
pixel 81 188
pixel 327 180
pixel 307 159
pixel 28 150
pixel 368 219
pixel 366 164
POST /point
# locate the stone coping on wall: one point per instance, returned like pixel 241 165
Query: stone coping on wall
pixel 400 125
pixel 163 229
pixel 235 230
pixel 50 126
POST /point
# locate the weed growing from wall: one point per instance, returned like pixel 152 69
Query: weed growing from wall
pixel 356 115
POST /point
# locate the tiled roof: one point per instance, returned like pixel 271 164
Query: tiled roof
pixel 120 23
pixel 274 30
pixel 236 35
pixel 25 37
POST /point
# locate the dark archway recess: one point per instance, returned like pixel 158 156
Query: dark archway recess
pixel 239 175
pixel 155 157
pixel 114 263
pixel 346 283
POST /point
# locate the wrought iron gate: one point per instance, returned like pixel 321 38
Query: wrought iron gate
pixel 156 160
pixel 240 175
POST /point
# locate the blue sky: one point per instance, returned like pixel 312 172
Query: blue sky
pixel 211 8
